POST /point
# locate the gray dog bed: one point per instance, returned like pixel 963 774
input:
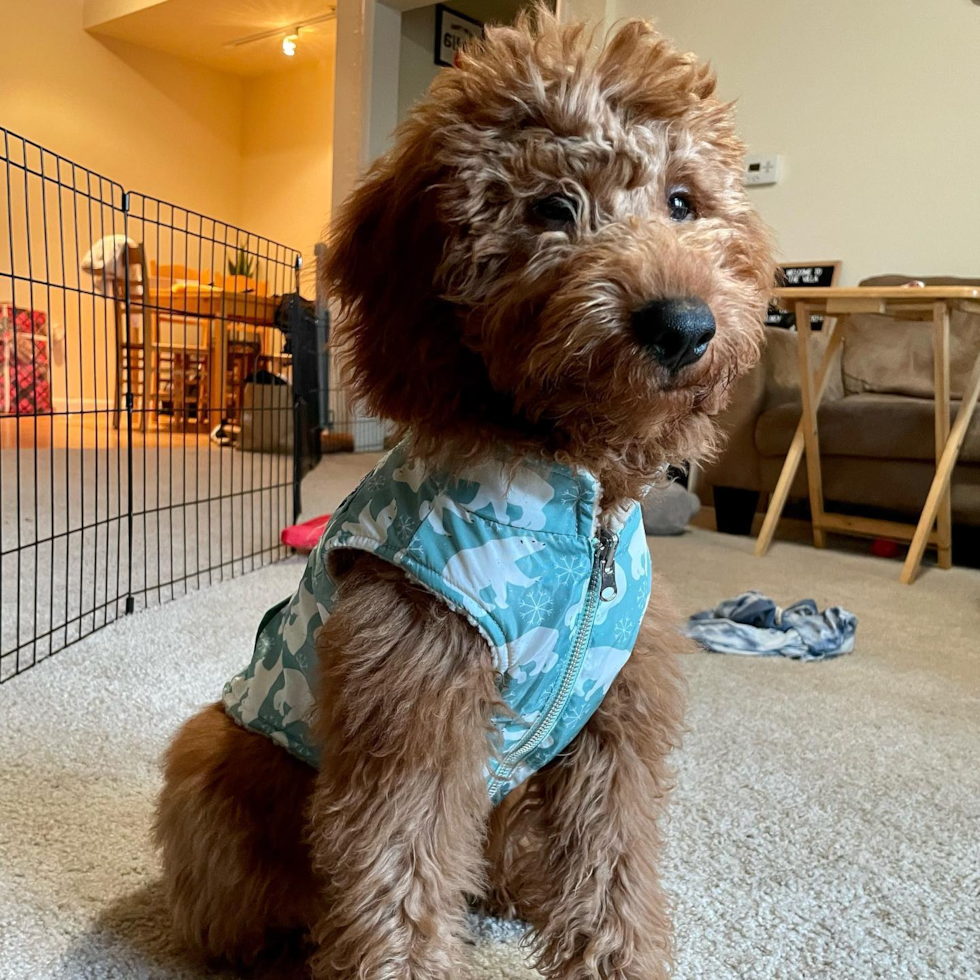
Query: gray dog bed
pixel 668 510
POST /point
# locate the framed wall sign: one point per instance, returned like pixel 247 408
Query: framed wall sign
pixel 453 30
pixel 799 274
pixel 808 274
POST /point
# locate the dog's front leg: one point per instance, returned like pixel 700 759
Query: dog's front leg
pixel 589 882
pixel 399 812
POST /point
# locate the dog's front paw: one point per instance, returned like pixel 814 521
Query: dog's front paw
pixel 613 951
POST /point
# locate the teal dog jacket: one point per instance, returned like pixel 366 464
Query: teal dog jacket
pixel 522 553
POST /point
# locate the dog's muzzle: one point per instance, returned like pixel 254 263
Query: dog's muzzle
pixel 676 332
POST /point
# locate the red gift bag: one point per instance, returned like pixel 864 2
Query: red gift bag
pixel 26 321
pixel 24 364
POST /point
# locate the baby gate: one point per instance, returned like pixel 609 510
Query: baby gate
pixel 153 429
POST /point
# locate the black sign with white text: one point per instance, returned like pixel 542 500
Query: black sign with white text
pixel 453 30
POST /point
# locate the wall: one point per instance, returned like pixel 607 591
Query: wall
pixel 148 120
pixel 416 66
pixel 252 152
pixel 287 158
pixel 874 107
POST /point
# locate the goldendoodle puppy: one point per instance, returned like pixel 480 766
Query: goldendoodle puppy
pixel 549 286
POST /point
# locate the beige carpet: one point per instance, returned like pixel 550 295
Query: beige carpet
pixel 826 823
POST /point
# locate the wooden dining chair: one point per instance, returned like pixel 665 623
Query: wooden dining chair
pixel 134 347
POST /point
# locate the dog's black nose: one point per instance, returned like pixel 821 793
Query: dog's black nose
pixel 675 331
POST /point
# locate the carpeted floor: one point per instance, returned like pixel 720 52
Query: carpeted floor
pixel 201 514
pixel 826 824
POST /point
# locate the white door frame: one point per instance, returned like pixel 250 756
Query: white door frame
pixel 365 113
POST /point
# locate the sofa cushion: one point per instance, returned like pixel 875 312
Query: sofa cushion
pixel 897 279
pixel 879 426
pixel 886 354
pixel 899 485
pixel 782 366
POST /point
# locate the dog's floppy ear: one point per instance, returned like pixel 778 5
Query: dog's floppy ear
pixel 398 335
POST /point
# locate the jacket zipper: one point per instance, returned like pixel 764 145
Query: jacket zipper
pixel 602 587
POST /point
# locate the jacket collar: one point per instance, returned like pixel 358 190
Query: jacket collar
pixel 530 492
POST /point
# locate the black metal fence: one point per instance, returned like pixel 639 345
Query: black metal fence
pixel 154 422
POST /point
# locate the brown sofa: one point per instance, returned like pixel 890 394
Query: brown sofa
pixel 875 420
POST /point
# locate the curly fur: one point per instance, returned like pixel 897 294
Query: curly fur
pixel 474 329
pixel 539 324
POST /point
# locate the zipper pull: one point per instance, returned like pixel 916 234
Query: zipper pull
pixel 608 542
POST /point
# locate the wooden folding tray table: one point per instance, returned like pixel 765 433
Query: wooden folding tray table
pixel 914 302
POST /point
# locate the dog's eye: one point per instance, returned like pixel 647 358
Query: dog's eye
pixel 555 212
pixel 680 206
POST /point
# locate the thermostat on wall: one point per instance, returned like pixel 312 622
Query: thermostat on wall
pixel 763 169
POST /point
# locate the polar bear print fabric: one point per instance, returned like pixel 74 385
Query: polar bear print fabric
pixel 493 568
pixel 515 549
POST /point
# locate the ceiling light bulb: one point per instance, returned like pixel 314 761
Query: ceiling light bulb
pixel 289 45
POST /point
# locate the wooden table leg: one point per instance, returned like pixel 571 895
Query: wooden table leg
pixel 811 439
pixel 151 334
pixel 218 340
pixel 120 389
pixel 149 384
pixel 940 347
pixel 944 473
pixel 788 473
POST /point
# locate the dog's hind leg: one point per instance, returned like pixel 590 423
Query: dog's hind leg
pixel 229 825
pixel 399 813
pixel 585 871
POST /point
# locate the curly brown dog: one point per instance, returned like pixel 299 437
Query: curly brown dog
pixel 555 262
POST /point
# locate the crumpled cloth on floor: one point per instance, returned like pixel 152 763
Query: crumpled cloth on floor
pixel 753 625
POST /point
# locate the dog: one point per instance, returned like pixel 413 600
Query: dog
pixel 549 285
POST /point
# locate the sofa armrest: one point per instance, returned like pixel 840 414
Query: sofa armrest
pixel 774 381
pixel 738 463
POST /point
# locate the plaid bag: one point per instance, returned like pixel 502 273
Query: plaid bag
pixel 25 384
pixel 26 322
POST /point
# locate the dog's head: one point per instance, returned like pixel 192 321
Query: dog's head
pixel 557 251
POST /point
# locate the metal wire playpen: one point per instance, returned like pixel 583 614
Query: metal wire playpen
pixel 163 388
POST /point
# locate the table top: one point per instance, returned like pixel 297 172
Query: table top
pixel 911 294
pixel 215 304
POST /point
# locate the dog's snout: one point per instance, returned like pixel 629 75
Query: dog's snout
pixel 675 331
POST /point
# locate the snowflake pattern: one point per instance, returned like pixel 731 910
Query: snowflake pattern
pixel 624 630
pixel 416 549
pixel 574 495
pixel 567 568
pixel 578 712
pixel 405 526
pixel 375 482
pixel 536 606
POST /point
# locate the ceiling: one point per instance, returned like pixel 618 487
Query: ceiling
pixel 202 31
